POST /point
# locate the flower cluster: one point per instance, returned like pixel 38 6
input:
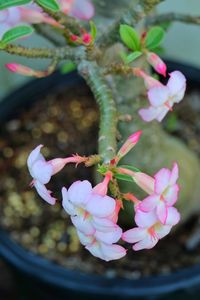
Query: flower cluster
pixel 155 215
pixel 94 213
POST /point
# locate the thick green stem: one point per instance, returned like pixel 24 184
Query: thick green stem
pixel 168 17
pixel 108 113
pixel 59 53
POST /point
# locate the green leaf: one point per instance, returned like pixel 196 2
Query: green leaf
pixel 124 177
pixel 49 4
pixel 16 33
pixel 93 30
pixel 68 67
pixel 130 168
pixel 9 3
pixel 154 37
pixel 131 57
pixel 129 37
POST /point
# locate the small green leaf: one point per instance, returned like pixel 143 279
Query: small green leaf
pixel 9 3
pixel 49 4
pixel 131 57
pixel 124 177
pixel 93 30
pixel 129 37
pixel 130 168
pixel 16 33
pixel 154 37
pixel 123 56
pixel 68 67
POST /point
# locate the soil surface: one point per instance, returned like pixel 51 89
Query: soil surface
pixel 67 123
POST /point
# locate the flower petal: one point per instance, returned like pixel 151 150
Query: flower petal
pixel 68 207
pixel 41 171
pixel 82 9
pixel 162 230
pixel 34 156
pixel 147 243
pixel 174 174
pixel 109 237
pixel 162 212
pixel 44 193
pixel 83 224
pixel 112 252
pixel 177 85
pixel 158 95
pixel 134 235
pixel 171 195
pixel 100 206
pixel 95 250
pixel 148 114
pixel 173 216
pixel 103 224
pixel 145 219
pixel 149 203
pixel 162 178
pixel 85 239
pixel 79 192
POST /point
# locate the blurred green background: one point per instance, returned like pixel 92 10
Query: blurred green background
pixel 182 43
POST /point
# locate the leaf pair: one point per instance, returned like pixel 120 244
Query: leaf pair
pixel 132 40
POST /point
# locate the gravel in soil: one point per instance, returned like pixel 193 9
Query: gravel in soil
pixel 66 122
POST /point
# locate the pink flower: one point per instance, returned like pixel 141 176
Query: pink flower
pixel 162 98
pixel 94 214
pixel 14 16
pixel 80 9
pixel 42 170
pixel 164 195
pixel 149 230
pixel 157 63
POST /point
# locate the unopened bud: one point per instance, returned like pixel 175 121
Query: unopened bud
pixel 157 63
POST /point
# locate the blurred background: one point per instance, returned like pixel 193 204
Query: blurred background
pixel 176 45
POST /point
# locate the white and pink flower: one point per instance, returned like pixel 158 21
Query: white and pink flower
pixel 162 98
pixel 42 171
pixel 80 9
pixel 150 230
pixel 94 214
pixel 165 193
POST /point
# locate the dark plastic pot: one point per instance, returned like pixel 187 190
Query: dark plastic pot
pixel 38 278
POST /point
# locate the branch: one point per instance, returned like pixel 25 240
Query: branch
pixel 108 112
pixel 70 23
pixel 61 53
pixel 173 17
pixel 132 16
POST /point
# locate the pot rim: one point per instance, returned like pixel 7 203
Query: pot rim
pixel 58 276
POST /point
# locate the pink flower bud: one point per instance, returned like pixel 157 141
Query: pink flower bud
pixel 128 145
pixel 74 38
pixel 102 187
pixel 23 70
pixel 86 38
pixel 156 62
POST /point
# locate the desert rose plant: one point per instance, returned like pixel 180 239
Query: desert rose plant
pixel 134 42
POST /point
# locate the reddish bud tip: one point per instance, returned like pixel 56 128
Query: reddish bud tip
pixel 74 38
pixel 12 67
pixel 86 38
